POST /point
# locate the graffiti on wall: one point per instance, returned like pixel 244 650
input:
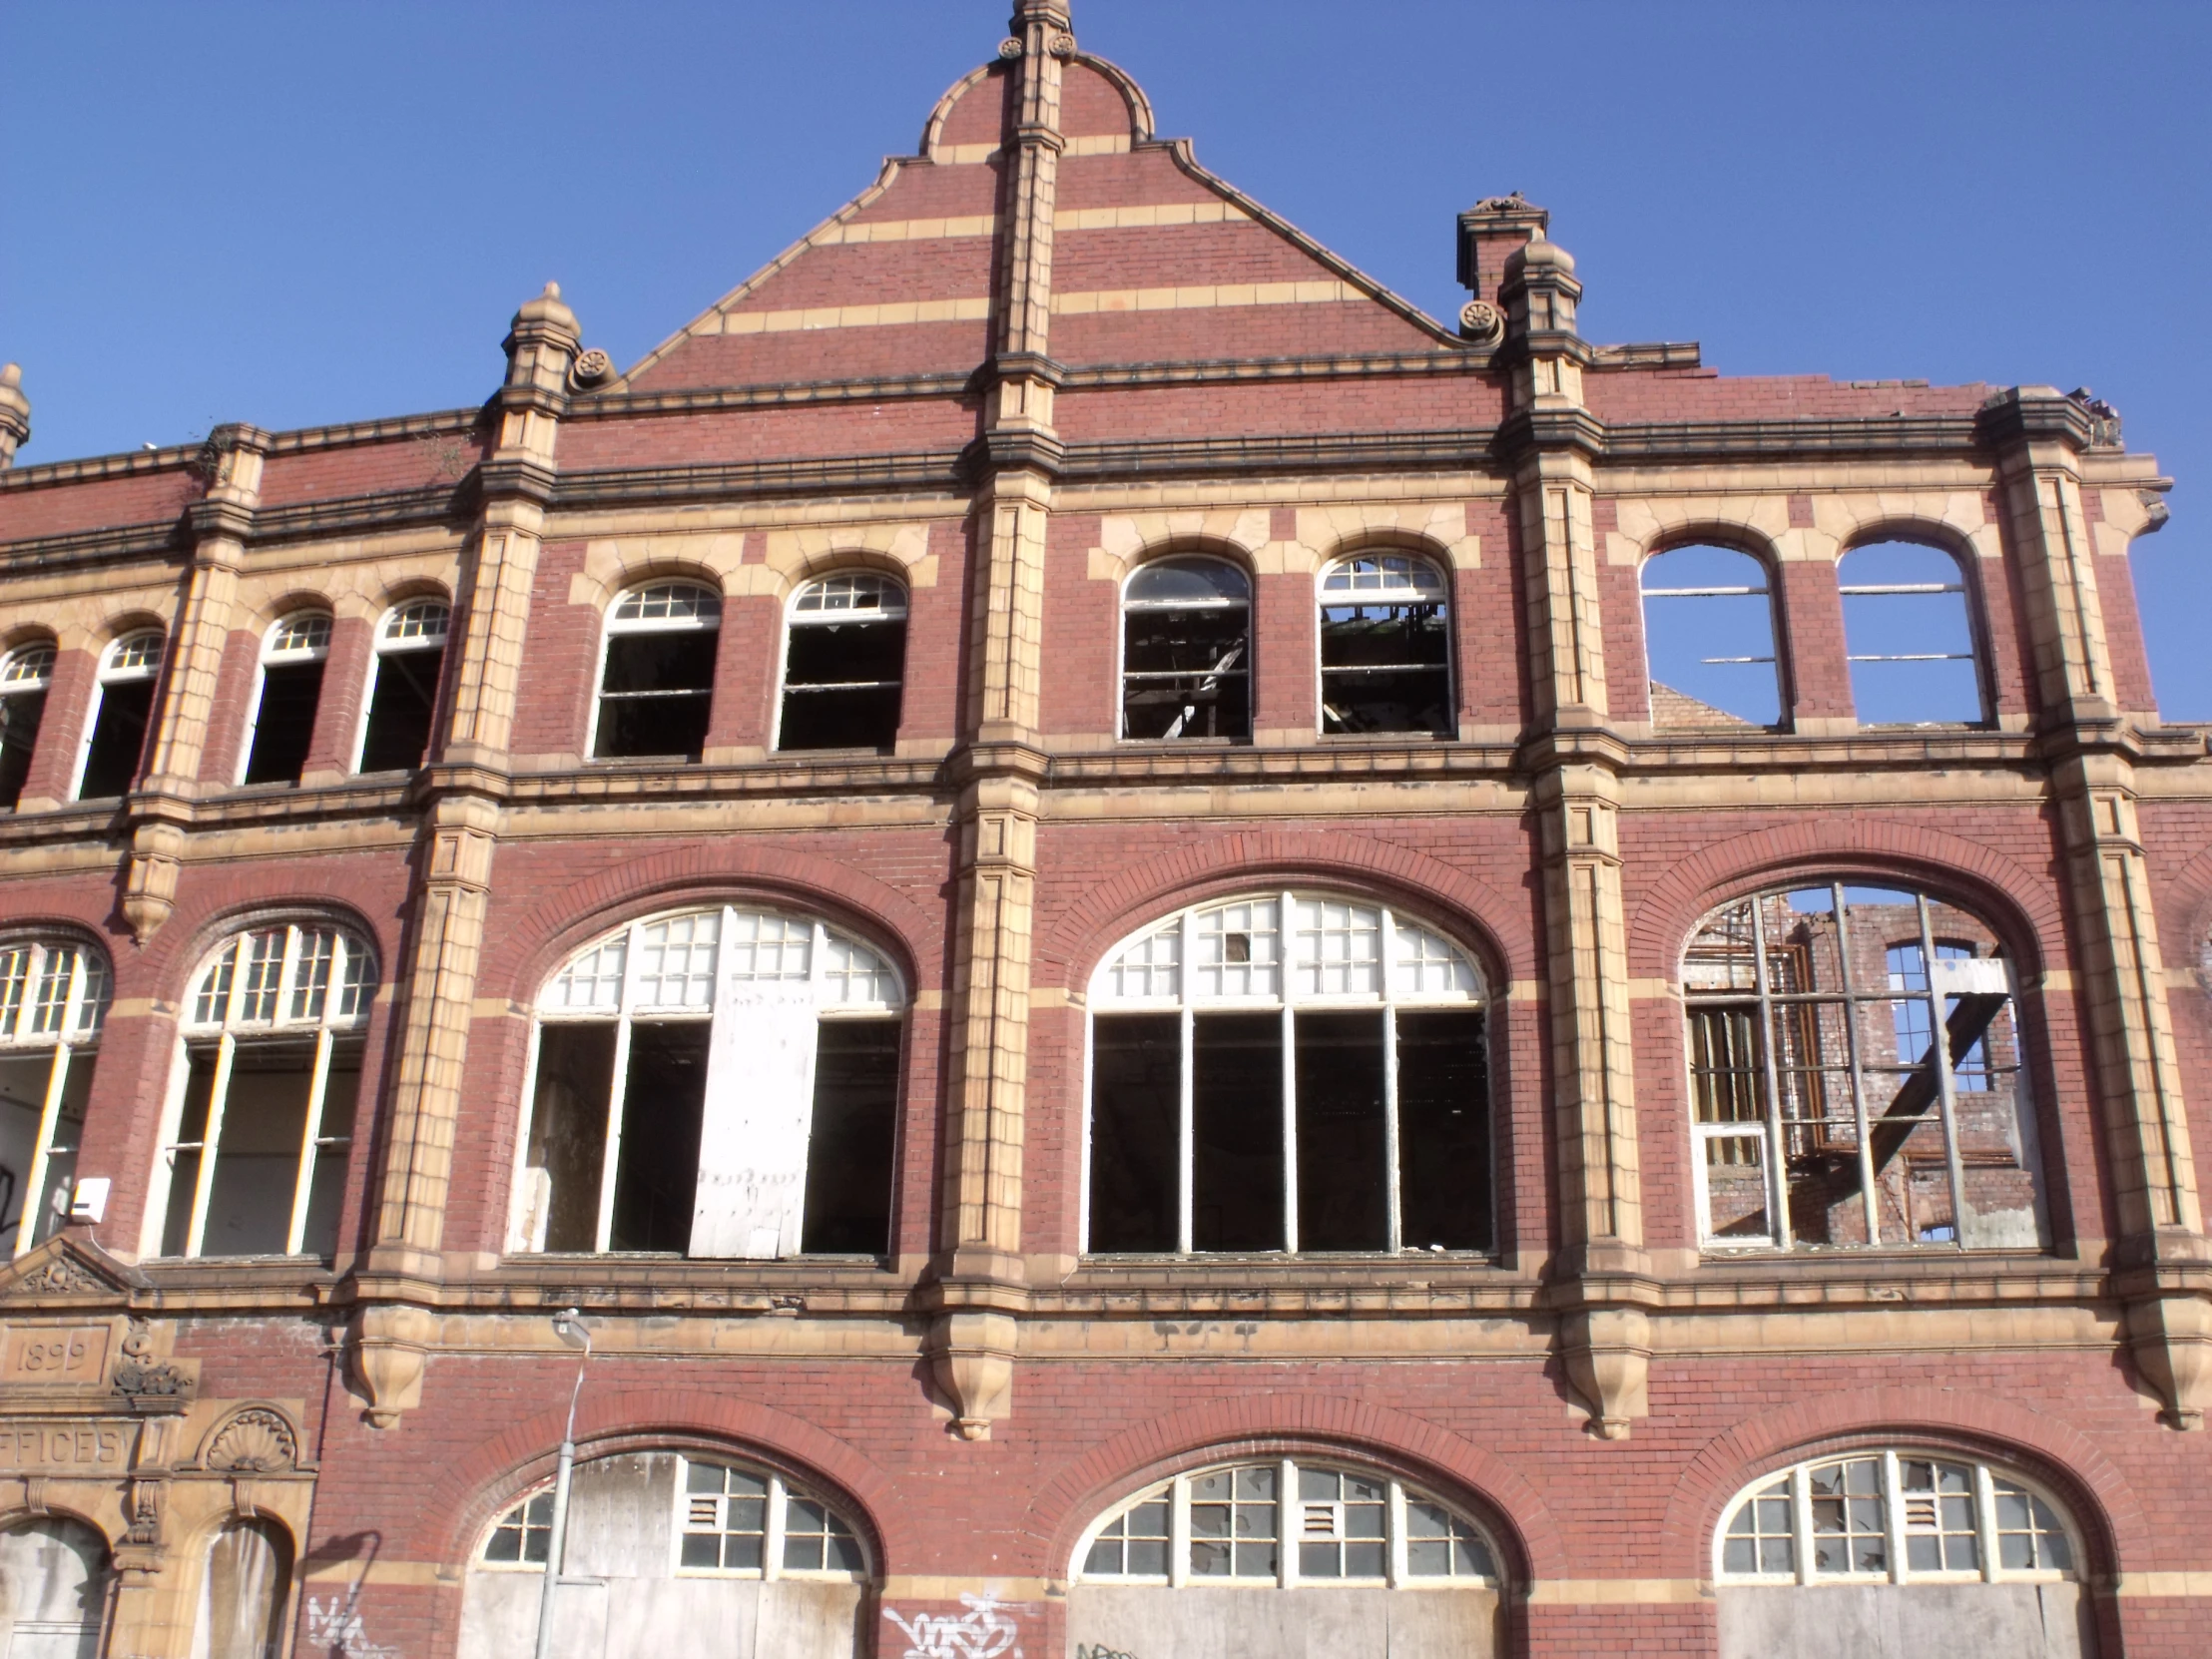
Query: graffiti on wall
pixel 337 1629
pixel 989 1629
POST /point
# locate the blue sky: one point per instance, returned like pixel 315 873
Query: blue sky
pixel 306 212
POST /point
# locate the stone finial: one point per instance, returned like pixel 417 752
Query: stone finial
pixel 542 342
pixel 1489 230
pixel 15 413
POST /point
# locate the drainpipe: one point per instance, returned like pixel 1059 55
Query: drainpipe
pixel 568 1324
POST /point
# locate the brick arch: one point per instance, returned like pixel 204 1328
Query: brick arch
pixel 1915 528
pixel 1730 535
pixel 469 1490
pixel 527 948
pixel 190 935
pixel 1385 538
pixel 1245 1423
pixel 1993 885
pixel 1204 870
pixel 1975 1421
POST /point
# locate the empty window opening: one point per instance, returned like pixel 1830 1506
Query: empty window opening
pixel 1709 639
pixel 1853 1080
pixel 54 997
pixel 1186 651
pixel 263 1116
pixel 1321 1087
pixel 1909 636
pixel 1282 1524
pixel 845 660
pixel 25 675
pixel 657 688
pixel 404 685
pixel 122 709
pixel 1385 647
pixel 56 1581
pixel 289 692
pixel 245 1593
pixel 719 1083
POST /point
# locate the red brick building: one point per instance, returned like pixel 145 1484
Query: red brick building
pixel 1177 963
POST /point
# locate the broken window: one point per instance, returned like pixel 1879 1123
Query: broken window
pixel 1709 639
pixel 1186 659
pixel 56 1584
pixel 1284 1522
pixel 288 692
pixel 1892 1517
pixel 122 709
pixel 53 1002
pixel 259 1121
pixel 1385 646
pixel 245 1593
pixel 1909 636
pixel 844 657
pixel 25 673
pixel 404 685
pixel 716 1083
pixel 657 685
pixel 1855 1077
pixel 1316 1083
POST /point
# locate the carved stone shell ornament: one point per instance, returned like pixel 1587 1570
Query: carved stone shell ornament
pixel 1480 321
pixel 255 1441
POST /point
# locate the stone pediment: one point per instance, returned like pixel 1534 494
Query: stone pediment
pixel 70 1274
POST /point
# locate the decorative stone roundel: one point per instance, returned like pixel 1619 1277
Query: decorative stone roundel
pixel 1481 322
pixel 1010 47
pixel 1063 45
pixel 593 366
pixel 255 1441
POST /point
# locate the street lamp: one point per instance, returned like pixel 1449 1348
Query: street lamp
pixel 568 1324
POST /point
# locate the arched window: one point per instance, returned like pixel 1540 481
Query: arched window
pixel 1825 1111
pixel 719 1083
pixel 1186 651
pixel 404 685
pixel 1909 636
pixel 122 709
pixel 1709 639
pixel 1160 1572
pixel 25 673
pixel 261 1115
pixel 844 657
pixel 287 692
pixel 53 1001
pixel 1912 1552
pixel 54 1581
pixel 773 1565
pixel 245 1593
pixel 1287 1072
pixel 1385 646
pixel 657 680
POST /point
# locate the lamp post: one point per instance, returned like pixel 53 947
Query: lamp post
pixel 568 1324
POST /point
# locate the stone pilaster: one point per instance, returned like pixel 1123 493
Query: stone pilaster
pixel 2164 1266
pixel 461 829
pixel 981 1275
pixel 15 415
pixel 1600 1283
pixel 220 521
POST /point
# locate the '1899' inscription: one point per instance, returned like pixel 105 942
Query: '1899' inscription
pixel 62 1445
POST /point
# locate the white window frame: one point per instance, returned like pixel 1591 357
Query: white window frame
pixel 613 623
pixel 781 1495
pixel 627 1011
pixel 1976 652
pixel 232 1022
pixel 1410 593
pixel 115 670
pixel 1288 1534
pixel 1945 976
pixel 1897 1526
pixel 796 615
pixel 293 638
pixel 1251 607
pixel 33 1017
pixel 1186 1001
pixel 391 641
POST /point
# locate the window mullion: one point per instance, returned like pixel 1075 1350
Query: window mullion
pixel 1289 1524
pixel 1289 1040
pixel 779 1528
pixel 1778 1182
pixel 618 1089
pixel 21 1019
pixel 241 950
pixel 1986 1522
pixel 211 1135
pixel 1394 1237
pixel 1852 1009
pixel 1186 1152
pixel 50 1111
pixel 526 1124
pixel 1893 1515
pixel 310 1130
pixel 1399 1568
pixel 1800 1520
pixel 1939 1042
pixel 1178 1532
pixel 288 970
pixel 73 997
